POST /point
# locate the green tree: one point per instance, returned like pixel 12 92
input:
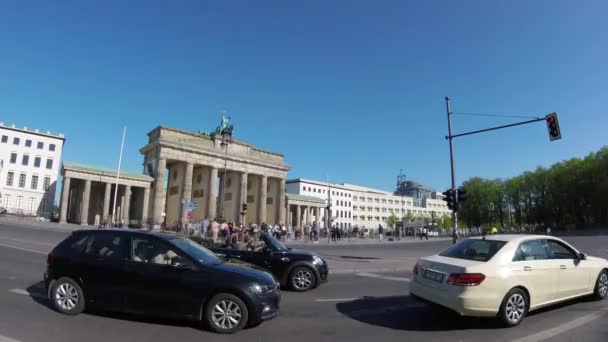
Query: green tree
pixel 392 220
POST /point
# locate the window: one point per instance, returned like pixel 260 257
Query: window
pixel 49 163
pixel 13 158
pixel 349 214
pixel 153 251
pixel 52 147
pixel 40 145
pixel 531 250
pixel 46 184
pixel 7 200
pixel 31 209
pixel 10 176
pixel 15 141
pixel 5 138
pixel 25 160
pixel 22 180
pixel 19 202
pixel 37 162
pixel 560 251
pixel 45 205
pixel 474 249
pixel 34 182
pixel 28 143
pixel 108 245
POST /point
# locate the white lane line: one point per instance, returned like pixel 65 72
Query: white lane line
pixel 7 339
pixel 378 276
pixel 336 300
pixel 28 241
pixel 25 293
pixel 549 333
pixel 23 249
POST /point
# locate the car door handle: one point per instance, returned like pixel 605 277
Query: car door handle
pixel 563 267
pixel 527 268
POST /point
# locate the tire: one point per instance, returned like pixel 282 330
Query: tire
pixel 302 279
pixel 67 297
pixel 226 314
pixel 514 307
pixel 601 286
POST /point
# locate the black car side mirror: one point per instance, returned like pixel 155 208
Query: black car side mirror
pixel 582 256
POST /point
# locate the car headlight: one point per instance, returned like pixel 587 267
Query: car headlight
pixel 317 260
pixel 261 289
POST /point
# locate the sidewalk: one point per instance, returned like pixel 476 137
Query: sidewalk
pixel 31 222
pixel 357 242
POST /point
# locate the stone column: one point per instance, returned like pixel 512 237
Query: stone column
pixel 188 168
pixel 211 194
pixel 121 216
pixel 145 205
pixel 242 198
pixel 106 201
pixel 298 217
pixel 65 193
pixel 159 193
pixel 262 193
pixel 281 201
pixel 127 205
pixel 84 212
pixel 317 212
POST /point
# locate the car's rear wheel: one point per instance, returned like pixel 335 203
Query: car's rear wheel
pixel 67 297
pixel 601 286
pixel 302 279
pixel 226 313
pixel 514 307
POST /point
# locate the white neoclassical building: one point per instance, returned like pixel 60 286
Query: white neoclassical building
pixel 358 206
pixel 29 166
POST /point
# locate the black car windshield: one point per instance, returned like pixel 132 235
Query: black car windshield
pixel 274 244
pixel 196 251
pixel 474 249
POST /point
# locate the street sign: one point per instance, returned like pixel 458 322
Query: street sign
pixel 193 204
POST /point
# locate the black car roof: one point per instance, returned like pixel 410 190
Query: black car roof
pixel 162 235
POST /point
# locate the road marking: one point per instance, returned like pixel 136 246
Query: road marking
pixel 25 293
pixel 378 276
pixel 7 339
pixel 23 249
pixel 28 241
pixel 549 333
pixel 336 300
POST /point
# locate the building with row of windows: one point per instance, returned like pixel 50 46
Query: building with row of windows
pixel 362 207
pixel 29 166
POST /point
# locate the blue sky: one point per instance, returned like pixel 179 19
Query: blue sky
pixel 349 89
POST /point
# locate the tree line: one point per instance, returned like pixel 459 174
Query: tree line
pixel 571 193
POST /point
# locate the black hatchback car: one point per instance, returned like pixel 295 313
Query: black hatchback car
pixel 157 274
pixel 296 269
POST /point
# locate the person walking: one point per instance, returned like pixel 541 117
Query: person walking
pixel 380 233
pixel 205 227
pixel 333 234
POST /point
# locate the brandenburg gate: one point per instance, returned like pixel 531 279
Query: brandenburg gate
pixel 217 177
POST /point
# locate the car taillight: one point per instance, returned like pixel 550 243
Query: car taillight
pixel 466 279
pixel 50 259
pixel 415 270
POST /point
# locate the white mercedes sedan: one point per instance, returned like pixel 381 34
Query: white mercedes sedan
pixel 506 276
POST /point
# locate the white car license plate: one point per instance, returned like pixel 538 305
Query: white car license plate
pixel 438 277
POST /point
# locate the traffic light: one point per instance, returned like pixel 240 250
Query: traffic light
pixel 450 198
pixel 553 126
pixel 244 211
pixel 462 195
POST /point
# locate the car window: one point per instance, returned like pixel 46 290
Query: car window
pixel 531 250
pixel 108 246
pixel 474 249
pixel 196 251
pixel 274 244
pixel 560 251
pixel 151 250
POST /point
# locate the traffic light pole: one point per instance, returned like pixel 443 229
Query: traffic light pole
pixel 454 215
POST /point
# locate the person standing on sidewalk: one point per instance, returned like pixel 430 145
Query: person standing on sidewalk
pixel 380 233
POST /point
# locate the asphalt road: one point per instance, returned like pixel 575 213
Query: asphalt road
pixel 361 306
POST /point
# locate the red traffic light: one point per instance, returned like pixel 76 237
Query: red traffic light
pixel 553 127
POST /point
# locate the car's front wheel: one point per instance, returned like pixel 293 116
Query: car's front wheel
pixel 302 279
pixel 226 313
pixel 514 307
pixel 601 286
pixel 67 297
